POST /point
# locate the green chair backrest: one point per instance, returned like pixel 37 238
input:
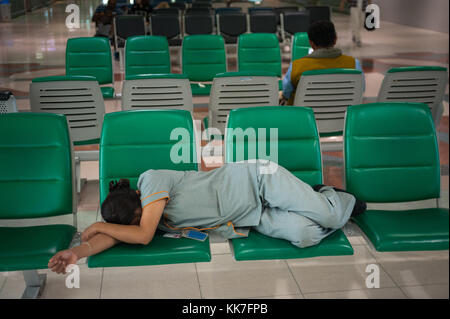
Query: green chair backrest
pixel 391 152
pixel 133 142
pixel 329 92
pixel 146 55
pixel 300 45
pixel 90 56
pixel 36 178
pixel 259 52
pixel 297 137
pixel 419 84
pixel 77 97
pixel 203 56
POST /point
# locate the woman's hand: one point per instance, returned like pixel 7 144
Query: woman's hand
pixel 59 262
pixel 91 231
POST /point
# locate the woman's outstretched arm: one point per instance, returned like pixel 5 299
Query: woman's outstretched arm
pixel 132 234
pixel 98 243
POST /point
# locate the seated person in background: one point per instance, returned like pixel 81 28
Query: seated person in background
pixel 322 37
pixel 228 200
pixel 141 7
pixel 103 18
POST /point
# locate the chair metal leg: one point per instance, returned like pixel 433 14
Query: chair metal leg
pixel 78 174
pixel 35 284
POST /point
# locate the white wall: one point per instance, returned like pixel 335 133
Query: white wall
pixel 427 14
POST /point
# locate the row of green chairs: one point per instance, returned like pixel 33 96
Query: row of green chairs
pixel 203 56
pixel 381 165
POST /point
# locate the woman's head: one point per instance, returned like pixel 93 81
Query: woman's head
pixel 122 205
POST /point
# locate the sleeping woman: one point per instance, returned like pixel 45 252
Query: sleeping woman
pixel 228 200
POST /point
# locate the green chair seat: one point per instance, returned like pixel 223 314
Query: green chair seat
pixel 131 143
pixel 391 156
pixel 107 92
pixel 204 89
pixel 160 251
pixel 297 135
pixel 24 248
pixel 409 230
pixel 258 246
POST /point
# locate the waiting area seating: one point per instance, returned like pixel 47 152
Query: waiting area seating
pixel 80 100
pixel 383 165
pixel 158 91
pixel 120 158
pixel 240 89
pixel 36 181
pixel 297 136
pixel 91 56
pixel 424 84
pixel 259 51
pixel 147 55
pixel 300 46
pixel 329 92
pixel 203 56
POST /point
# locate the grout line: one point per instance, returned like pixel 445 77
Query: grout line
pixel 295 280
pixel 367 289
pixel 379 264
pixel 101 285
pixel 198 281
pixel 3 285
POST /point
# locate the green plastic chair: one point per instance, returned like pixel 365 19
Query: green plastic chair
pixel 260 52
pixel 419 84
pixel 299 152
pixel 133 142
pixel 78 98
pixel 300 45
pixel 391 155
pixel 146 55
pixel 36 181
pixel 203 56
pixel 91 56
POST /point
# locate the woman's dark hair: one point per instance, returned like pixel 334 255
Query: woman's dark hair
pixel 322 33
pixel 121 204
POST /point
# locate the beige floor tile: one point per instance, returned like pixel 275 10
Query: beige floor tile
pixel 164 281
pixel 427 292
pixel 415 268
pixel 86 219
pixel 220 248
pixel 375 293
pixel 336 273
pixel 299 296
pixel 224 277
pixel 13 285
pixel 90 284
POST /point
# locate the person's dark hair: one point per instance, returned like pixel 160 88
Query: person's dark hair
pixel 322 33
pixel 120 206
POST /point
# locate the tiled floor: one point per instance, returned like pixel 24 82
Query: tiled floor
pixel 34 45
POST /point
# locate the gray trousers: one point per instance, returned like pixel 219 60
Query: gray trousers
pixel 295 212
